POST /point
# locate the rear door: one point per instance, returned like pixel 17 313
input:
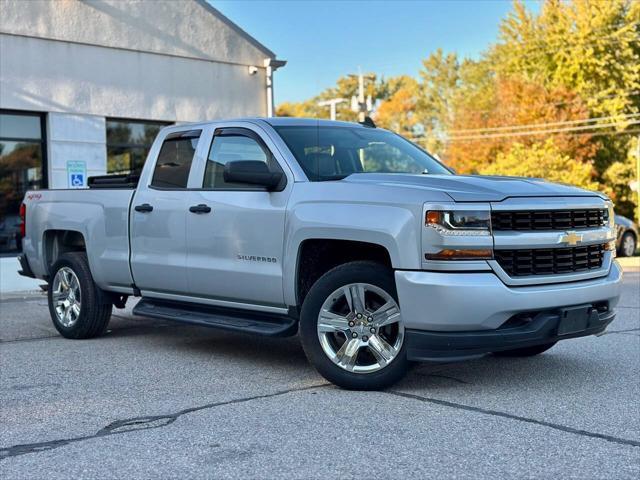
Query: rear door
pixel 235 243
pixel 158 218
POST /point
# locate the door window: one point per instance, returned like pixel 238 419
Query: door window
pixel 230 148
pixel 174 160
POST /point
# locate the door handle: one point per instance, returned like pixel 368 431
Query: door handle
pixel 201 208
pixel 145 207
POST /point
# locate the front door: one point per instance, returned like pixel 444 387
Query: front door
pixel 235 249
pixel 158 219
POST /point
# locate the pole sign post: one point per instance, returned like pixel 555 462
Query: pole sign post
pixel 76 174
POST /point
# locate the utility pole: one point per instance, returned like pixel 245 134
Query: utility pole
pixel 359 103
pixel 332 104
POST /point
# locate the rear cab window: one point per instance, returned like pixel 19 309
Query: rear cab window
pixel 175 159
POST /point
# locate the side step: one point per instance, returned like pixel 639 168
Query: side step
pixel 256 323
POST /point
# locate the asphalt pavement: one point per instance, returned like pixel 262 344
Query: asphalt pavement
pixel 153 399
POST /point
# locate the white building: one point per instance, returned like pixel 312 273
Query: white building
pixel 86 84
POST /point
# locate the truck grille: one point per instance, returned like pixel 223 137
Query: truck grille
pixel 550 261
pixel 549 219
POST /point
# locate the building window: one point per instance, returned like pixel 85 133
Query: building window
pixel 128 143
pixel 22 168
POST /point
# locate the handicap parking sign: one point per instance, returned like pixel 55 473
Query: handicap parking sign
pixel 76 174
pixel 77 180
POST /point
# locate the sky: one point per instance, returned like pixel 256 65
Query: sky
pixel 323 40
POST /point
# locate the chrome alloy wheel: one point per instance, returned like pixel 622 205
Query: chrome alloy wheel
pixel 628 245
pixel 360 328
pixel 66 296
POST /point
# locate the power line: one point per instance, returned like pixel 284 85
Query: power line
pixel 583 134
pixel 629 93
pixel 551 124
pixel 591 134
pixel 542 132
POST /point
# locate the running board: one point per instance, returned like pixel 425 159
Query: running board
pixel 256 323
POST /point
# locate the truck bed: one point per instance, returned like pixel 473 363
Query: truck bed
pixel 100 215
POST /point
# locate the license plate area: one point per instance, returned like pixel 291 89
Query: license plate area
pixel 574 319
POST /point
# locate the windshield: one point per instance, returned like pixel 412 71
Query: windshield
pixel 332 153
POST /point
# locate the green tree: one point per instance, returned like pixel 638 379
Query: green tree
pixel 542 160
pixel 398 111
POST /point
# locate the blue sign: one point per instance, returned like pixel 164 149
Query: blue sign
pixel 77 180
pixel 76 174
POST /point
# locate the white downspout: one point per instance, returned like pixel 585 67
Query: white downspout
pixel 270 103
pixel 271 65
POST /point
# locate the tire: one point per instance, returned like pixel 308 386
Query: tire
pixel 81 310
pixel 377 337
pixel 526 351
pixel 628 245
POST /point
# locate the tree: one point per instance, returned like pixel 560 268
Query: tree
pixel 346 87
pixel 398 111
pixel 478 136
pixel 588 47
pixel 542 160
pixel 619 177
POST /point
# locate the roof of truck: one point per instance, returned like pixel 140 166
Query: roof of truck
pixel 274 122
pixel 306 122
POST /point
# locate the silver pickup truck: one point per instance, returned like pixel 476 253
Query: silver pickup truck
pixel 353 237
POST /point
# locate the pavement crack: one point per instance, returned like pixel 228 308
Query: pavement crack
pixel 117 330
pixel 496 413
pixel 29 339
pixel 608 332
pixel 444 377
pixel 137 423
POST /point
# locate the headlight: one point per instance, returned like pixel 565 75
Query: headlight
pixel 610 216
pixel 460 223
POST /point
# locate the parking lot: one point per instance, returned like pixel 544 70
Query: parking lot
pixel 155 399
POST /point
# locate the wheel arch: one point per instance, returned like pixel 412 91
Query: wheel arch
pixel 57 242
pixel 316 256
pixel 393 229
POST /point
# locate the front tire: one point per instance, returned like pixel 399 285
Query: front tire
pixel 78 308
pixel 351 328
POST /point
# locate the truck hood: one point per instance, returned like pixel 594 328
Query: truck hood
pixel 473 188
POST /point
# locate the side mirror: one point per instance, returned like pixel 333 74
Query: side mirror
pixel 253 172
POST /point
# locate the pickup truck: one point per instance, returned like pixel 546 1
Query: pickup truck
pixel 370 249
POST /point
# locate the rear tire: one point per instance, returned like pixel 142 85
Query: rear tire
pixel 358 345
pixel 78 308
pixel 526 351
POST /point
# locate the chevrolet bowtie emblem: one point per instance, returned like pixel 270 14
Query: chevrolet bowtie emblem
pixel 571 238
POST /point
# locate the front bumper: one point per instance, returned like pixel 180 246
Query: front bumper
pixel 463 302
pixel 540 329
